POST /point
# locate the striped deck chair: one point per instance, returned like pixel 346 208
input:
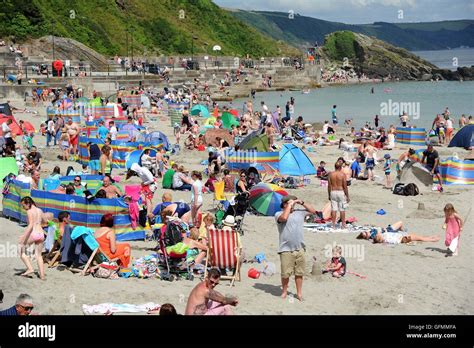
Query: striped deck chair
pixel 224 253
pixel 269 173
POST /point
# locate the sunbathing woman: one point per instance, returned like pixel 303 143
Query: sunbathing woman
pixel 394 234
pixel 33 235
pixel 324 214
pixel 106 238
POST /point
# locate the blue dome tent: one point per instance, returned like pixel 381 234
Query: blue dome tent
pixel 157 137
pixel 294 162
pixel 464 137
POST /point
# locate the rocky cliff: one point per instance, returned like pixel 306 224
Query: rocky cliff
pixel 378 59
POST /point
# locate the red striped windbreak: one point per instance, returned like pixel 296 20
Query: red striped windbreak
pixel 224 246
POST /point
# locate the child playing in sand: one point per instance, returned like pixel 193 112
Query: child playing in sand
pixel 453 225
pixel 43 129
pixel 387 169
pixel 337 264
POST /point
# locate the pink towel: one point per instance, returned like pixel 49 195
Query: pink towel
pixel 133 210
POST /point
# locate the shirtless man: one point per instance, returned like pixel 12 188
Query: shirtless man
pixel 438 122
pixel 338 194
pixel 35 179
pixel 73 130
pixel 161 162
pixel 111 190
pixel 370 161
pixel 204 300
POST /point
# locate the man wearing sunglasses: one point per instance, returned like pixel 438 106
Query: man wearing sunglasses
pixel 204 300
pixel 23 306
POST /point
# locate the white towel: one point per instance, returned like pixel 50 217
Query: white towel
pixel 454 244
pixel 103 308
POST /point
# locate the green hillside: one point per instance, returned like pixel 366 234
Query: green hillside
pixel 302 31
pixel 154 26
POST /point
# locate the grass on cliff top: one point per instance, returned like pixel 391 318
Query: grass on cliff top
pixel 154 26
pixel 340 45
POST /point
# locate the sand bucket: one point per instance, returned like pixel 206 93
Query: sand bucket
pixel 253 273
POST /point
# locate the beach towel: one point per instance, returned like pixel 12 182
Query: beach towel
pixel 103 308
pixel 134 211
pixel 327 228
pixel 50 237
pixel 88 236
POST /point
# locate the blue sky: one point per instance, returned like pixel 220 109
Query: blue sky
pixel 364 11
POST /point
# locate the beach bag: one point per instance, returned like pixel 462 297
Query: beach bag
pixel 6 183
pixel 290 183
pixel 106 271
pixel 143 217
pixel 399 189
pixel 411 190
pixel 173 234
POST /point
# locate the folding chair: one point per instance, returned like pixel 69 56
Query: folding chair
pixel 99 256
pixel 224 252
pixel 269 173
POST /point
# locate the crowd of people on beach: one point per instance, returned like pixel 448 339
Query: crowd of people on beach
pixel 370 147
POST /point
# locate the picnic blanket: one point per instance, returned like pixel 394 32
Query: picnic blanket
pixel 327 228
pixel 103 308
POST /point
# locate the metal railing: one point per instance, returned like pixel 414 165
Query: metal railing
pixel 222 64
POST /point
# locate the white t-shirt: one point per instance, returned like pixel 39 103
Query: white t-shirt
pixel 449 124
pixel 264 110
pixel 144 174
pixel 51 126
pixel 391 140
pixel 113 132
pixel 7 132
pixel 325 128
pixel 197 184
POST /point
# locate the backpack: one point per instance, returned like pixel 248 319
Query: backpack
pixel 173 233
pixel 6 183
pixel 290 183
pixel 411 190
pixel 399 189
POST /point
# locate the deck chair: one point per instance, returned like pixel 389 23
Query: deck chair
pixel 54 255
pixel 269 173
pixel 223 252
pixel 97 256
pixel 220 196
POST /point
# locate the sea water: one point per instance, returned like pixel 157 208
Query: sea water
pixel 421 100
pixel 449 59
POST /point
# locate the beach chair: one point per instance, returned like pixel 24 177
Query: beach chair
pixel 224 253
pixel 269 173
pixel 97 256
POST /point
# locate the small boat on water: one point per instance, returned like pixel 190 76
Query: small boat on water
pixel 306 91
pixel 294 90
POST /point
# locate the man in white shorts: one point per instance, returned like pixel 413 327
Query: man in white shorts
pixel 338 194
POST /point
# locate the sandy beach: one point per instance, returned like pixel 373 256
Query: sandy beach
pixel 401 279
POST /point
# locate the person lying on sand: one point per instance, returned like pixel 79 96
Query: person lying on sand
pixel 394 234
